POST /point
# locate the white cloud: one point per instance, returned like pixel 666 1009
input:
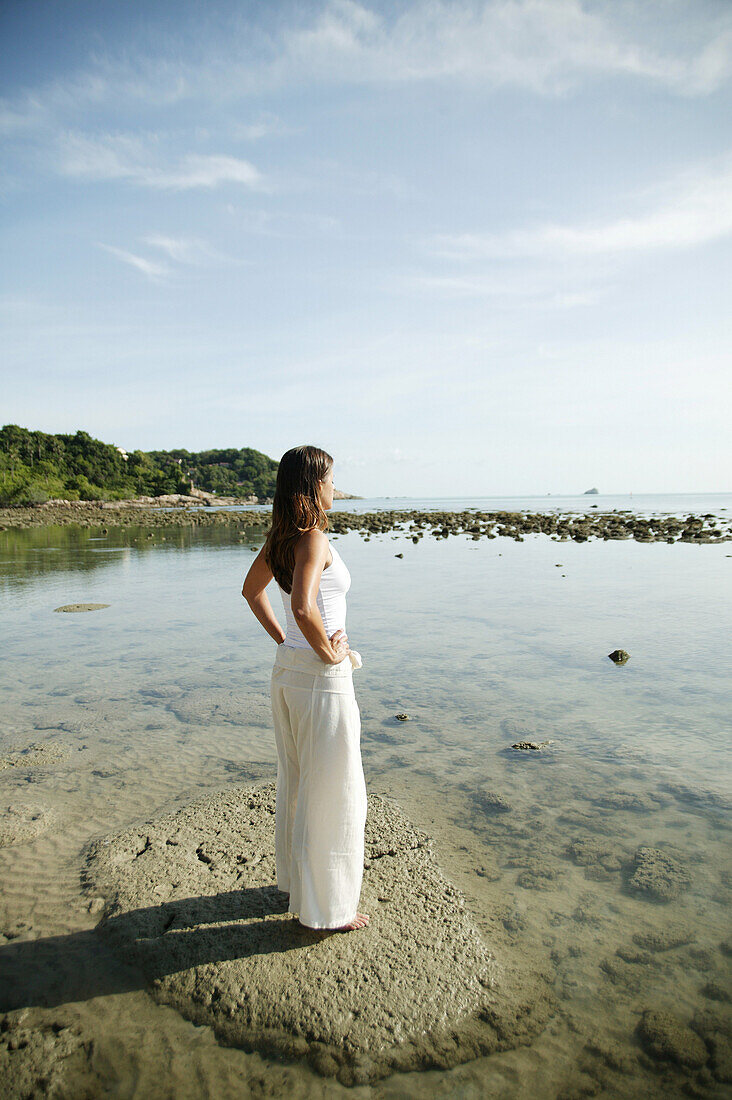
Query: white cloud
pixel 692 209
pixel 206 171
pixel 548 47
pixel 268 125
pixel 535 289
pixel 153 270
pixel 179 252
pixel 129 157
pixel 180 249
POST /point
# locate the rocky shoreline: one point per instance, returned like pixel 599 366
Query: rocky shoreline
pixel 158 512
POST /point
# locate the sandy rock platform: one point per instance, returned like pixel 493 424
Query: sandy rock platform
pixel 191 898
pixel 21 822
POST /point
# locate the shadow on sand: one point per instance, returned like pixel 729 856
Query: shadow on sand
pixel 156 941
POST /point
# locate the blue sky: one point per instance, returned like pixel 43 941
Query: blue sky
pixel 467 247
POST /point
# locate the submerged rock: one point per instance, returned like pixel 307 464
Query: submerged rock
pixel 715 1028
pixel 658 875
pixel 20 823
pixel 698 797
pixel 626 800
pixel 664 1036
pixel 664 939
pixel 715 991
pixel 190 897
pixel 492 802
pixel 37 755
pixel 599 857
pixel 42 1058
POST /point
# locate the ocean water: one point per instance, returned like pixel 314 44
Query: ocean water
pixel 639 503
pixel 483 643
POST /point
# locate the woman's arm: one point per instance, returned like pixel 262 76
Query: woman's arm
pixel 253 591
pixel 311 554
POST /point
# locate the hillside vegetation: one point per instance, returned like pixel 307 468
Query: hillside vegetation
pixel 35 467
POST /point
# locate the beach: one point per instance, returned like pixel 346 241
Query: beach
pixel 570 901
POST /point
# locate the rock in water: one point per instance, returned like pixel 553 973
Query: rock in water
pixel 77 607
pixel 191 898
pixel 492 802
pixel 533 746
pixel 664 1036
pixel 665 938
pixel 21 823
pixel 619 656
pixel 658 875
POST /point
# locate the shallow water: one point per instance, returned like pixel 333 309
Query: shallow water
pixel 680 504
pixel 483 643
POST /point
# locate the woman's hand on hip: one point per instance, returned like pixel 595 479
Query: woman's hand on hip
pixel 339 645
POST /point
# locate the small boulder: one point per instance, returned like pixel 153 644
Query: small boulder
pixel 493 802
pixel 658 875
pixel 619 656
pixel 531 746
pixel 664 939
pixel 665 1037
pixel 21 823
pixel 75 608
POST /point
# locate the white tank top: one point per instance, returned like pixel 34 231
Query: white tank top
pixel 334 583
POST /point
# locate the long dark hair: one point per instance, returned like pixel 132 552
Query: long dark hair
pixel 296 508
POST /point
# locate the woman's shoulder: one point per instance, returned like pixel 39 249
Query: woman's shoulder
pixel 313 537
pixel 312 542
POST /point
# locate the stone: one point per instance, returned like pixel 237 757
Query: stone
pixel 715 1028
pixel 416 988
pixel 46 1058
pixel 698 797
pixel 626 800
pixel 595 854
pixel 37 755
pixel 664 939
pixel 619 656
pixel 658 875
pixel 633 955
pixel 77 607
pixel 665 1037
pixel 535 872
pixel 492 801
pixel 20 823
pixel 715 991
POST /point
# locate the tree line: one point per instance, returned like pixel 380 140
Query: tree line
pixel 36 466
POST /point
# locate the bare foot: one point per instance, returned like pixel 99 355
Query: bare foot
pixel 359 921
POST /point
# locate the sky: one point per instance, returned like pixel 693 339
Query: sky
pixel 468 248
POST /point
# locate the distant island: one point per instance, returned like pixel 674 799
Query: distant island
pixel 591 492
pixel 36 467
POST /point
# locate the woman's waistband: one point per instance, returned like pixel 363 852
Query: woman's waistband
pixel 306 660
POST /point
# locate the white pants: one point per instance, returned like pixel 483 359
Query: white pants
pixel 321 792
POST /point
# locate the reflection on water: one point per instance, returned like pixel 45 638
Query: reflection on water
pixel 602 858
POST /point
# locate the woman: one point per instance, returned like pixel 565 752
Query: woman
pixel 321 793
